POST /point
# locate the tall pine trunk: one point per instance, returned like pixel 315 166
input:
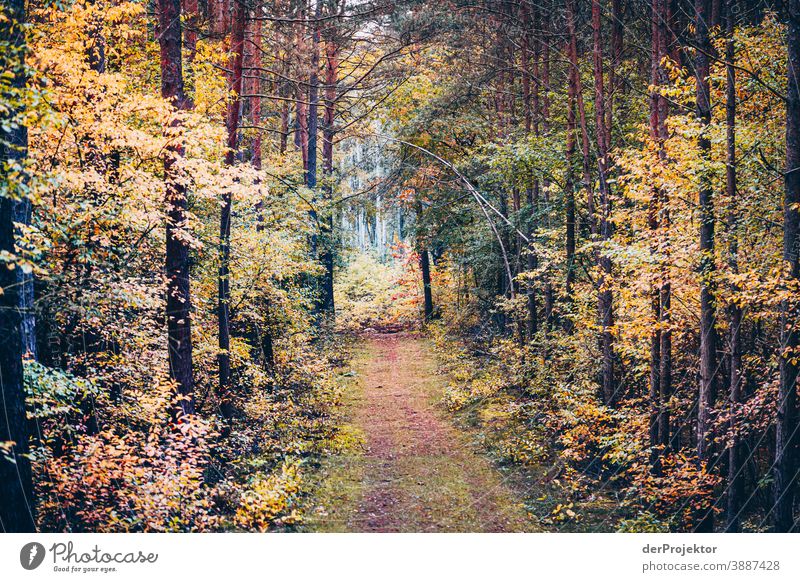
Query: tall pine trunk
pixel 786 435
pixel 265 332
pixel 604 295
pixel 224 285
pixel 16 488
pixel 313 130
pixel 328 133
pixel 179 331
pixel 658 222
pixel 573 79
pixel 708 344
pixel 532 112
pixel 735 457
pixel 708 337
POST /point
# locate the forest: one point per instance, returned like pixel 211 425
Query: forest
pixel 397 265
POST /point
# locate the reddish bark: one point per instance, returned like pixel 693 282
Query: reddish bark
pixel 223 287
pixel 179 334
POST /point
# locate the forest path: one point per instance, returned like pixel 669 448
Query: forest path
pixel 415 472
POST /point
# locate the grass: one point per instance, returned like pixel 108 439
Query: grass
pixel 406 467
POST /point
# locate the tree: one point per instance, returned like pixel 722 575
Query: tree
pixel 179 329
pixel 17 513
pixel 313 133
pixel 658 222
pixel 425 268
pixel 532 114
pixel 787 426
pixel 233 111
pixel 735 452
pixel 605 304
pixel 328 136
pixel 573 93
pixel 708 335
pixel 254 67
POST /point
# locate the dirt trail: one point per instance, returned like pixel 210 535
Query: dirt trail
pixel 416 472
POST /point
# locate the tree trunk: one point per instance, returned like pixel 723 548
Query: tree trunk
pixel 179 332
pixel 22 208
pixel 614 79
pixel 535 189
pixel 707 330
pixel 17 513
pixel 735 456
pixel 425 267
pixel 577 91
pixel 658 222
pixel 531 110
pixel 708 337
pixel 328 133
pixel 301 95
pixel 313 105
pixel 219 14
pixel 284 91
pixel 604 295
pixel 265 332
pixel 786 435
pixel 569 188
pixel 549 294
pixel 224 284
pixel 192 17
pixel 312 125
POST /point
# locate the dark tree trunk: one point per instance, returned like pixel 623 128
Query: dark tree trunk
pixel 16 491
pixel 312 125
pixel 569 188
pixel 22 215
pixel 224 285
pixel 577 90
pixel 313 105
pixel 328 133
pixel 708 336
pixel 17 513
pixel 425 267
pixel 708 342
pixel 605 304
pixel 179 332
pixel 546 39
pixel 735 453
pixel 532 112
pixel 265 332
pixel 658 222
pixel 786 435
pixel 17 139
